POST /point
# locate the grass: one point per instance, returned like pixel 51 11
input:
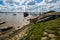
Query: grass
pixel 35 32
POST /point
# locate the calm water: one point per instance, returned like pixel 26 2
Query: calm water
pixel 12 18
pixel 15 19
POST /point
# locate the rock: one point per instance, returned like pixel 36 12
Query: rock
pixel 9 39
pixel 2 22
pixel 45 34
pixel 13 38
pixel 16 36
pixel 58 29
pixel 50 32
pixel 44 38
pixel 51 35
pixel 20 35
pixel 53 39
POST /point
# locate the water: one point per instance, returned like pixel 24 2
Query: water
pixel 15 19
pixel 12 18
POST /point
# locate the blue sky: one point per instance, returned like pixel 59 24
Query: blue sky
pixel 42 5
pixel 37 1
pixel 1 2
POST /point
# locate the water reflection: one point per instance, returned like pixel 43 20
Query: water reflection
pixel 12 18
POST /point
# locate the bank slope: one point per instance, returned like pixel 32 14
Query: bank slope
pixel 44 31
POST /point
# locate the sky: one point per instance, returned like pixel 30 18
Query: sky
pixel 29 5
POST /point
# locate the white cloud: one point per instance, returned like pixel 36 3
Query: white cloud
pixel 49 0
pixel 42 6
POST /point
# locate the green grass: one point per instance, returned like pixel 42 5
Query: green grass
pixel 36 30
